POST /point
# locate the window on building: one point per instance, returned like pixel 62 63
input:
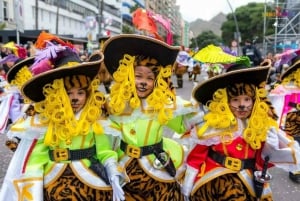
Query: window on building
pixel 5 10
pixel 42 15
pixel 33 12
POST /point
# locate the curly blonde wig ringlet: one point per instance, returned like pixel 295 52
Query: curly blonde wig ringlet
pixel 56 111
pixel 221 117
pixel 123 92
pixel 22 76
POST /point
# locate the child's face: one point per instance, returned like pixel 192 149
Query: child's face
pixel 2 72
pixel 77 97
pixel 10 63
pixel 144 81
pixel 241 106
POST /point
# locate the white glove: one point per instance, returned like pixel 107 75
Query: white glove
pixel 272 138
pixel 118 193
pixel 188 182
pixel 272 142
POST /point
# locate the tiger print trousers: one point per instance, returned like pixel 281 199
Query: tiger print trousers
pixel 228 187
pixel 142 187
pixel 69 188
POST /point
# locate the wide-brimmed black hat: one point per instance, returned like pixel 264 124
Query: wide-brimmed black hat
pixel 11 74
pixel 240 66
pixel 294 66
pixel 255 75
pixel 33 89
pixel 116 46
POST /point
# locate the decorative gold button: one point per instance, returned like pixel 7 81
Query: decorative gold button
pixel 132 131
pixel 239 147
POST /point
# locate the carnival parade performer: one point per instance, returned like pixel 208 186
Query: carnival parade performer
pixel 181 65
pixel 10 94
pixel 285 96
pixel 64 152
pixel 14 106
pixel 142 103
pixel 237 141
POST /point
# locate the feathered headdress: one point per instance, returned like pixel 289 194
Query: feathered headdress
pixel 45 37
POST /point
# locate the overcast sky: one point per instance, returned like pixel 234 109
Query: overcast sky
pixel 207 9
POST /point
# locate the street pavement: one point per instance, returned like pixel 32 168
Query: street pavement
pixel 283 188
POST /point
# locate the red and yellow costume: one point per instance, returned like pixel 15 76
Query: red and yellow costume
pixel 228 151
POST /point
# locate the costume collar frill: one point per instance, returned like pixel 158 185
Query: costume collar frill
pixel 215 136
pixel 180 107
pixel 27 127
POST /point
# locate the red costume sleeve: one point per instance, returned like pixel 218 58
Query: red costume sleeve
pixel 197 156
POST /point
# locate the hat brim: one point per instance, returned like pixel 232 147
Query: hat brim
pixel 290 70
pixel 33 89
pixel 115 48
pixel 11 74
pixel 204 91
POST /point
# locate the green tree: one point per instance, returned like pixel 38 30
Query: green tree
pixel 126 29
pixel 176 40
pixel 2 26
pixel 204 39
pixel 134 7
pixel 250 20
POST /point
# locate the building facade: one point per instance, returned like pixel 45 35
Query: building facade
pixel 72 18
pixel 80 19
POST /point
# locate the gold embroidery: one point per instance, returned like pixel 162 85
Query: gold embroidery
pixel 239 147
pixel 132 131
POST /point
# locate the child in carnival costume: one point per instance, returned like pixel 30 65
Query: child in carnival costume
pixel 12 106
pixel 285 96
pixel 13 53
pixel 238 140
pixel 141 104
pixel 18 106
pixel 64 152
pixel 181 65
pixel 9 98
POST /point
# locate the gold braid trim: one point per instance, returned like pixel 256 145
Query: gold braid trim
pixel 56 111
